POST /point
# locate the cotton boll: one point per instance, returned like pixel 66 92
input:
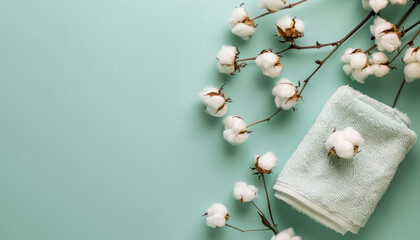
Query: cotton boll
pixel 241 24
pixel 347 68
pixel 353 136
pixel 379 25
pixel 269 63
pixel 388 42
pixel 289 103
pixel 346 56
pixel 335 137
pixel 410 55
pixel 360 75
pixel 217 112
pixel 284 22
pixel 288 234
pixel 215 101
pixel 412 71
pixel 244 192
pixel 226 69
pixel 272 5
pixel 284 88
pixel 216 220
pixel 379 57
pixel 204 94
pixel 399 2
pixel 238 15
pixel 243 30
pixel 378 5
pixel 358 60
pixel 235 123
pixel 289 28
pixel 217 208
pixel 344 149
pixel 380 70
pixel 227 54
pixel 265 163
pixel 299 25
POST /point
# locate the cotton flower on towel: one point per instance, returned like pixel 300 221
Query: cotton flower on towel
pixel 215 101
pixel 412 59
pixel 272 5
pixel 241 24
pixel 269 63
pixel 377 5
pixel 289 28
pixel 235 131
pixel 217 215
pixel 288 234
pixel 344 143
pixel 286 94
pixel 244 192
pixel 359 66
pixel 227 59
pixel 265 163
pixel 387 36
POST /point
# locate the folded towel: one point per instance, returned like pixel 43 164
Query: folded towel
pixel 343 193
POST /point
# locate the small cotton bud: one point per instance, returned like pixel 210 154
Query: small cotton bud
pixel 377 5
pixel 379 58
pixel 217 215
pixel 265 163
pixel 399 2
pixel 286 94
pixel 288 234
pixel 290 28
pixel 215 101
pixel 358 59
pixel 346 56
pixel 227 59
pixel 387 36
pixel 411 55
pixel 269 63
pixel 241 24
pixel 412 71
pixel 235 130
pixel 345 143
pixel 272 5
pixel 244 192
pixel 361 75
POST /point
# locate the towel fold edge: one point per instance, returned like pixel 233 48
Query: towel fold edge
pixel 314 209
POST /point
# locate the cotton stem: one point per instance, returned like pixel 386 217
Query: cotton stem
pixel 285 7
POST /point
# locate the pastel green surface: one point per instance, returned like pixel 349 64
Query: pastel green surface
pixel 103 136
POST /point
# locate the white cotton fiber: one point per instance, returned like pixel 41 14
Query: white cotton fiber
pixel 346 56
pixel 244 192
pixel 288 234
pixel 412 71
pixel 284 94
pixel 353 136
pixel 215 101
pixel 238 15
pixel 243 30
pixel 269 64
pixel 344 142
pixel 299 25
pixel 378 5
pixel 347 68
pixel 265 163
pixel 284 22
pixel 217 208
pixel 335 137
pixel 216 221
pixel 399 2
pixel 358 59
pixel 388 42
pixel 272 5
pixel 344 149
pixel 235 123
pixel 233 132
pixel 380 70
pixel 360 75
pixel 410 56
pixel 379 57
pixel 227 55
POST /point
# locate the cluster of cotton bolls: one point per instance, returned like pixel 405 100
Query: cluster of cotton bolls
pixel 272 5
pixel 377 5
pixel 217 215
pixel 344 143
pixel 387 36
pixel 226 57
pixel 244 192
pixel 265 163
pixel 241 24
pixel 412 61
pixel 288 234
pixel 285 93
pixel 235 131
pixel 359 66
pixel 269 63
pixel 290 28
pixel 215 101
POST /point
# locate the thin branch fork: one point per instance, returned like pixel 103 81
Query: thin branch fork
pixel 407 44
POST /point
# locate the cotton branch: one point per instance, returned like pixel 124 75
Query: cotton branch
pixel 285 7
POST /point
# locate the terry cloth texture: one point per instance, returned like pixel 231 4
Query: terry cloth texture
pixel 343 193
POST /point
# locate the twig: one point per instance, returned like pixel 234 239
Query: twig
pixel 254 230
pixel 398 94
pixel 265 119
pixel 285 7
pixel 268 201
pixel 259 210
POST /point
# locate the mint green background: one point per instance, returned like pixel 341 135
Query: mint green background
pixel 103 136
